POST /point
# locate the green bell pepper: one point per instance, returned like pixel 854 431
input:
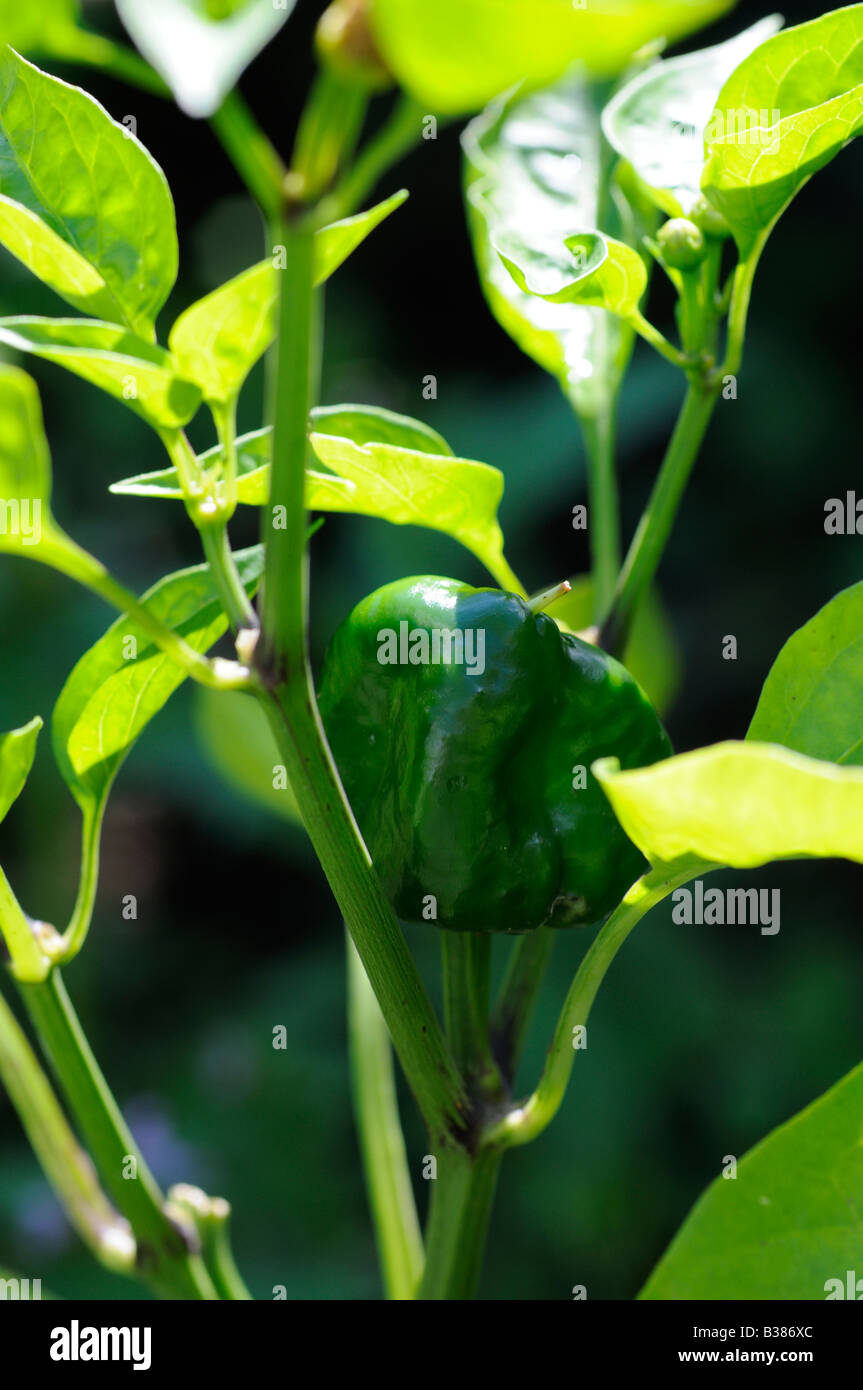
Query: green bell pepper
pixel 464 726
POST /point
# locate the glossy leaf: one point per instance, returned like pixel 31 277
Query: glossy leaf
pixel 95 186
pixel 453 56
pixel 334 243
pixel 218 340
pixel 652 655
pixel 785 113
pixel 49 257
pixel 738 804
pixel 17 751
pixel 363 424
pixel 36 25
pixel 26 523
pixel 201 57
pixel 600 271
pixel 534 175
pixel 408 487
pixel 812 700
pixel 657 122
pixel 788 1227
pixel 240 744
pixel 25 462
pixel 124 680
pixel 127 367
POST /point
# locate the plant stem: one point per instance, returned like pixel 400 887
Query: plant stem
pixel 65 1164
pixel 461 1204
pixel 657 523
pixel 77 45
pixel 741 297
pixel 517 998
pixel 466 967
pixel 29 961
pixel 232 592
pixel 211 1217
pixel 505 577
pixel 394 140
pixel 82 914
pixel 391 1197
pixel 657 340
pixel 292 708
pixel 328 131
pixel 164 1258
pixel 250 151
pixel 525 1123
pixel 67 558
pixel 599 438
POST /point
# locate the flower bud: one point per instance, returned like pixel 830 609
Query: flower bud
pixel 682 244
pixel 710 219
pixel 345 43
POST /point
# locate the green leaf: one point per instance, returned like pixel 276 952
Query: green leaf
pixel 17 751
pixel 599 271
pixel 25 462
pixel 200 57
pixel 408 487
pixel 738 804
pixel 534 174
pixel 363 424
pixel 785 113
pixel 36 25
pixel 455 55
pixel 652 654
pixel 372 424
pixel 93 185
pixel 124 680
pixel 48 256
pixel 789 1225
pixel 333 244
pixel 218 340
pixel 657 122
pixel 239 742
pixel 127 367
pixel 812 700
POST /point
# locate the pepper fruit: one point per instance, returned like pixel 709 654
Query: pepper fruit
pixel 464 727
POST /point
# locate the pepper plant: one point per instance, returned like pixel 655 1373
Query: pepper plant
pixel 482 760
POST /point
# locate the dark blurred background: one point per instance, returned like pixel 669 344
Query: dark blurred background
pixel 703 1038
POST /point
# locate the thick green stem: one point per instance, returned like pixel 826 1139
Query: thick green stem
pixel 604 508
pixel 517 998
pixel 164 1258
pixel 466 968
pixel 292 709
pixel 459 1215
pixel 656 525
pixel 376 1108
pixel 65 1164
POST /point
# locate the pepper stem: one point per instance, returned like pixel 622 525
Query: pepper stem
pixel 540 602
